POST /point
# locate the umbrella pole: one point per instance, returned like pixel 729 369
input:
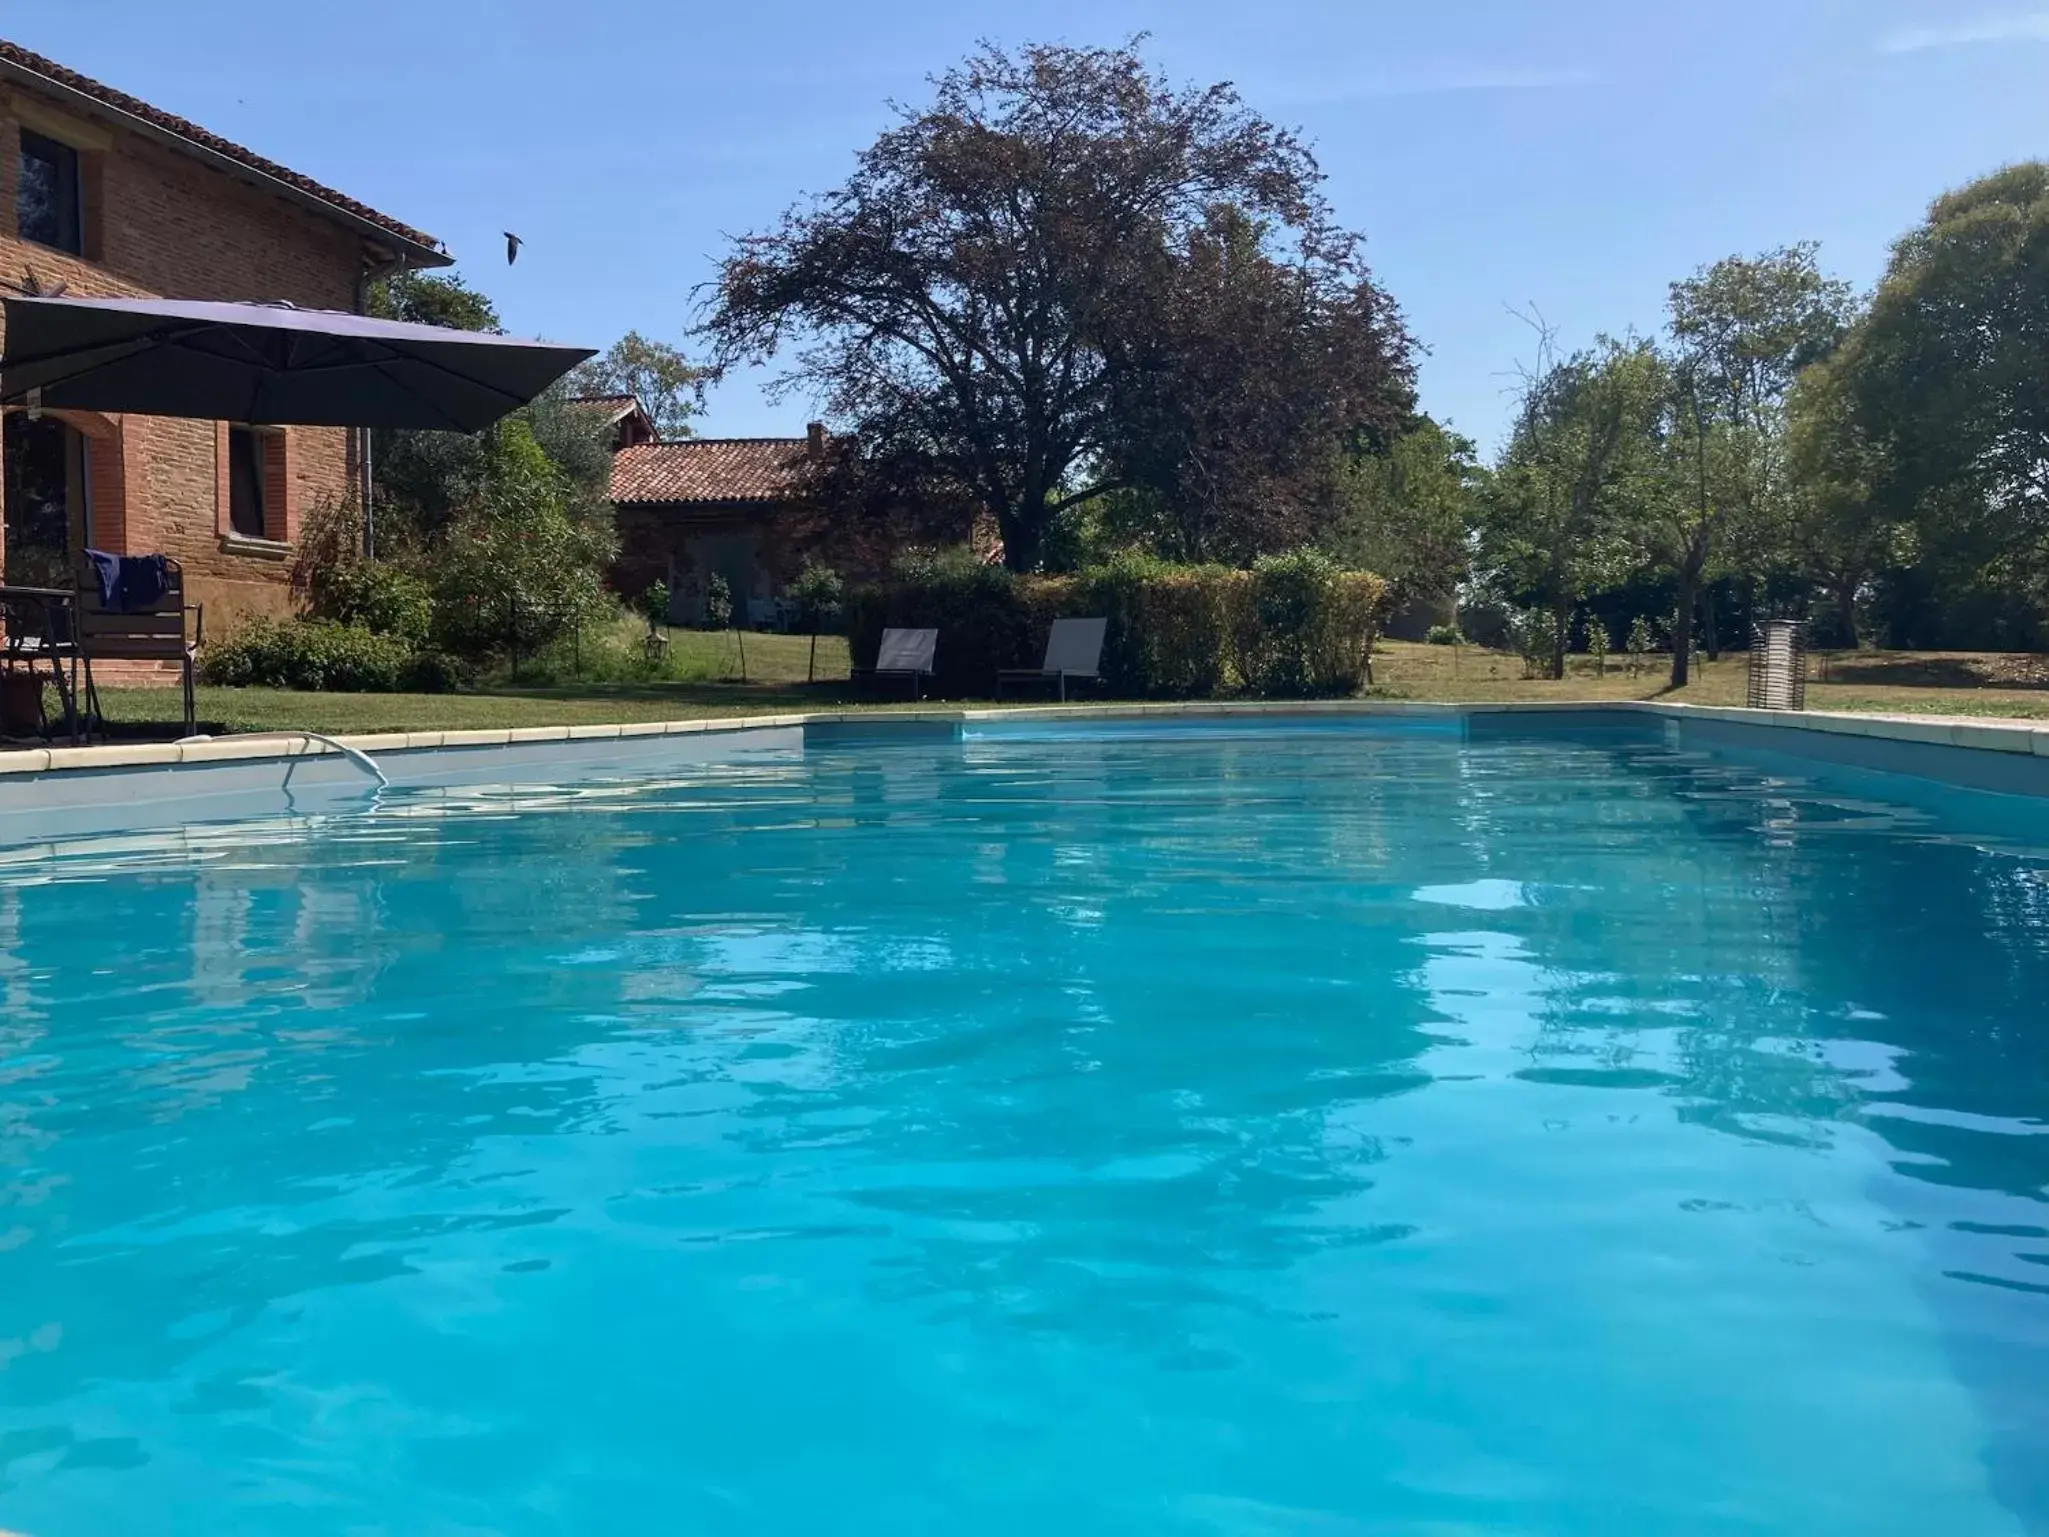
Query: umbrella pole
pixel 369 499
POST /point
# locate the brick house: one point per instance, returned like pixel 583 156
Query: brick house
pixel 628 419
pixel 104 195
pixel 695 507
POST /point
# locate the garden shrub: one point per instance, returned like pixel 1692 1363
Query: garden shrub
pixel 978 610
pixel 1169 634
pixel 515 569
pixel 309 654
pixel 1443 635
pixel 382 598
pixel 1353 605
pixel 1297 625
pixel 718 603
pixel 653 606
pixel 1288 592
pixel 435 672
pixel 1530 636
pixel 815 595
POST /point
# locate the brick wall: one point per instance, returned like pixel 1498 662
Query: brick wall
pixel 161 224
pixel 659 543
pixel 673 543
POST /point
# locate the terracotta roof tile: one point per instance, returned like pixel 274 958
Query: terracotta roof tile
pixel 613 407
pixel 134 106
pixel 707 470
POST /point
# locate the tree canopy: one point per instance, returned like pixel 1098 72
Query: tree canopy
pixel 501 537
pixel 667 385
pixel 1945 379
pixel 1104 312
pixel 1246 384
pixel 1741 331
pixel 1019 288
pixel 1783 446
pixel 1562 515
pixel 433 299
pixel 1407 514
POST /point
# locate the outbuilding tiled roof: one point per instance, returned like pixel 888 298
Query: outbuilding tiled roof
pixel 708 470
pixel 135 107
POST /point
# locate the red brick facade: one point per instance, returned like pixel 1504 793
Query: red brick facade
pixel 701 507
pixel 164 217
pixel 742 509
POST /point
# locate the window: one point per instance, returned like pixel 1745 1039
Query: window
pixel 245 482
pixel 50 204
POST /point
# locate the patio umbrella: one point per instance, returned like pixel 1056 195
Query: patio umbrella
pixel 266 364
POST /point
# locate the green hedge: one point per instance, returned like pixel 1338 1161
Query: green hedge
pixel 319 654
pixel 1294 626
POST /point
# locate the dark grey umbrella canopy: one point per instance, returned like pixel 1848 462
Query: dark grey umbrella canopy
pixel 267 364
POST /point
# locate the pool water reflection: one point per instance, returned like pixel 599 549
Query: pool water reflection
pixel 1342 1131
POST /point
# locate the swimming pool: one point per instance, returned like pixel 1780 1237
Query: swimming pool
pixel 1340 1129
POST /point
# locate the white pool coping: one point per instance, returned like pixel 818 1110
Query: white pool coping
pixel 1981 735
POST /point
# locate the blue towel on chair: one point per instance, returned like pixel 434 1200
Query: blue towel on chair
pixel 130 584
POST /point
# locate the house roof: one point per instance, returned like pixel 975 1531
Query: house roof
pixel 613 407
pixel 55 79
pixel 708 470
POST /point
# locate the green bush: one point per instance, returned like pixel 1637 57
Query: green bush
pixel 816 595
pixel 435 672
pixel 1170 627
pixel 1354 605
pixel 1298 625
pixel 1644 638
pixel 1287 594
pixel 653 605
pixel 308 654
pixel 385 599
pixel 979 611
pixel 718 603
pixel 517 568
pixel 1443 635
pixel 1531 637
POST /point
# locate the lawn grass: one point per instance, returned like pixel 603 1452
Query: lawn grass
pixel 617 654
pixel 700 678
pixel 1988 684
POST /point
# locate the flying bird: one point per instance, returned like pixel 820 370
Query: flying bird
pixel 512 245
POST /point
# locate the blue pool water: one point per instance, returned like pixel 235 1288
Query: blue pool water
pixel 1331 1132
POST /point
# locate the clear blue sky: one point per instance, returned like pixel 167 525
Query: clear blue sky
pixel 1574 154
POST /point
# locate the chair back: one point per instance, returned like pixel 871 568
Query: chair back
pixel 907 651
pixel 1075 647
pixel 153 634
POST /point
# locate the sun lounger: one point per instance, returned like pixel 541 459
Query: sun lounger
pixel 905 654
pixel 1074 653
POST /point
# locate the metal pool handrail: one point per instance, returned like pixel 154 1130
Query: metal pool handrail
pixel 355 755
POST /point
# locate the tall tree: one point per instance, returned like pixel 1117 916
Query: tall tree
pixel 1837 535
pixel 667 385
pixel 1947 377
pixel 1742 329
pixel 1561 516
pixel 963 301
pixel 1409 513
pixel 433 299
pixel 1249 384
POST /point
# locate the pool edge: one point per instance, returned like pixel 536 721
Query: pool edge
pixel 1926 743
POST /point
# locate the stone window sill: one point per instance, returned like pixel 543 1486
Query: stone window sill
pixel 255 549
